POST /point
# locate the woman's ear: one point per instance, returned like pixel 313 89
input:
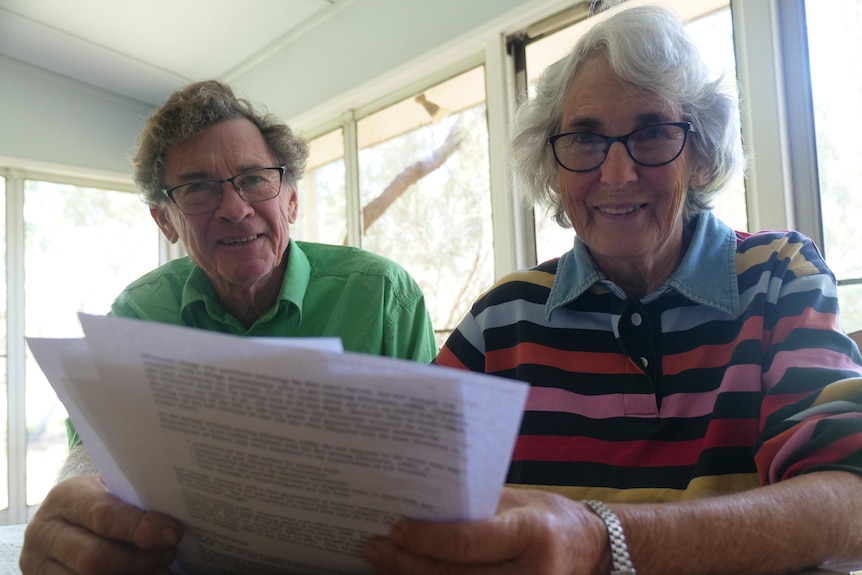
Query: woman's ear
pixel 292 204
pixel 698 178
pixel 160 216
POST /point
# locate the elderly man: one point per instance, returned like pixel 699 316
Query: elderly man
pixel 221 177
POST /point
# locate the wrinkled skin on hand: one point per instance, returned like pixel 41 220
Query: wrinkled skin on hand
pixel 533 533
pixel 81 528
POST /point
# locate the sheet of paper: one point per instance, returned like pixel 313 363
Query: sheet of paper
pixel 66 363
pixel 282 458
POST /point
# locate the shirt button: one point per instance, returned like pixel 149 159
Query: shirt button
pixel 644 362
pixel 636 319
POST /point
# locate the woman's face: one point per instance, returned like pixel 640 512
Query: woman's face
pixel 629 215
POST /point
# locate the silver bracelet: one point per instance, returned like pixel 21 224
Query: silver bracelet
pixel 621 561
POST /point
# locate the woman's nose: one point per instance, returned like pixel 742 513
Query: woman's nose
pixel 618 168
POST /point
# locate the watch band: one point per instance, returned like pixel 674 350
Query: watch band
pixel 620 559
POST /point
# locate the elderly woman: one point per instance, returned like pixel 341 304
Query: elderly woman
pixel 695 405
pixel 221 177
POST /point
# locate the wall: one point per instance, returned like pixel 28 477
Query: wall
pixel 47 118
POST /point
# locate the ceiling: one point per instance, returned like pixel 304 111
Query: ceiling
pixel 145 49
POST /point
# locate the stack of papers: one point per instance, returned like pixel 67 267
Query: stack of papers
pixel 280 455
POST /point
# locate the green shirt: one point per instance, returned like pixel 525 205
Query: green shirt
pixel 368 301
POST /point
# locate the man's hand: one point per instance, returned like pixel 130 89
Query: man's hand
pixel 81 528
pixel 533 533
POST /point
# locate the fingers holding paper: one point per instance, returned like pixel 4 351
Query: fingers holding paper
pixel 534 533
pixel 82 528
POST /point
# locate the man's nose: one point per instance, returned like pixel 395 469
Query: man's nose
pixel 232 206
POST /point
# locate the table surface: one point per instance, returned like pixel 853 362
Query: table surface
pixel 10 548
pixel 12 536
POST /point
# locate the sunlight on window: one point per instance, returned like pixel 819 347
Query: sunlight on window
pixel 322 196
pixel 82 246
pixel 4 388
pixel 425 193
pixel 834 34
pixel 714 37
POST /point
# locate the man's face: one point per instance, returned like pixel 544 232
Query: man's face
pixel 240 245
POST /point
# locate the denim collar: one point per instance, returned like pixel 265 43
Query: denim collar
pixel 706 275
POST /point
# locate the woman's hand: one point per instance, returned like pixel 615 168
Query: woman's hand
pixel 533 533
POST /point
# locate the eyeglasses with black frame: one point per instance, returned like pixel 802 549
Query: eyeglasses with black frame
pixel 204 196
pixel 654 145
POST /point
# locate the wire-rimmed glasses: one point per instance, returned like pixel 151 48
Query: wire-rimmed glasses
pixel 203 196
pixel 654 145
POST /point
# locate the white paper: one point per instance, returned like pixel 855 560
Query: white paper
pixel 280 458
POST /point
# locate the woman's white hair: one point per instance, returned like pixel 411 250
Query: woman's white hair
pixel 649 48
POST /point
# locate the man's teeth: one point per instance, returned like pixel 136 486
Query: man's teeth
pixel 620 211
pixel 237 241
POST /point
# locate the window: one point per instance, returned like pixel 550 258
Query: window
pixel 4 380
pixel 425 192
pixel 322 194
pixel 714 36
pixel 80 246
pixel 423 198
pixel 834 33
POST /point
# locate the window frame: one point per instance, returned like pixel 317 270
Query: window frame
pixel 486 49
pixel 16 174
pixel 782 185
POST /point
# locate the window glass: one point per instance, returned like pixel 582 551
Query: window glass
pixel 714 37
pixel 322 196
pixel 4 388
pixel 425 192
pixel 82 246
pixel 551 239
pixel 712 28
pixel 834 43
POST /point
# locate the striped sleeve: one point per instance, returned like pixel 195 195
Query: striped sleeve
pixel 811 414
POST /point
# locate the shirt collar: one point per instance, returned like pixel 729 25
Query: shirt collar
pixel 706 275
pixel 296 276
pixel 293 286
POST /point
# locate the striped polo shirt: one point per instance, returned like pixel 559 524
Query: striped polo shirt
pixel 735 373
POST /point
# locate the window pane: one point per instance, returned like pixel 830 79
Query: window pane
pixel 322 197
pixel 4 351
pixel 82 246
pixel 851 307
pixel 425 192
pixel 834 38
pixel 713 34
pixel 714 37
pixel 551 239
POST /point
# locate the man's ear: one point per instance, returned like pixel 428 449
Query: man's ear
pixel 160 216
pixel 292 204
